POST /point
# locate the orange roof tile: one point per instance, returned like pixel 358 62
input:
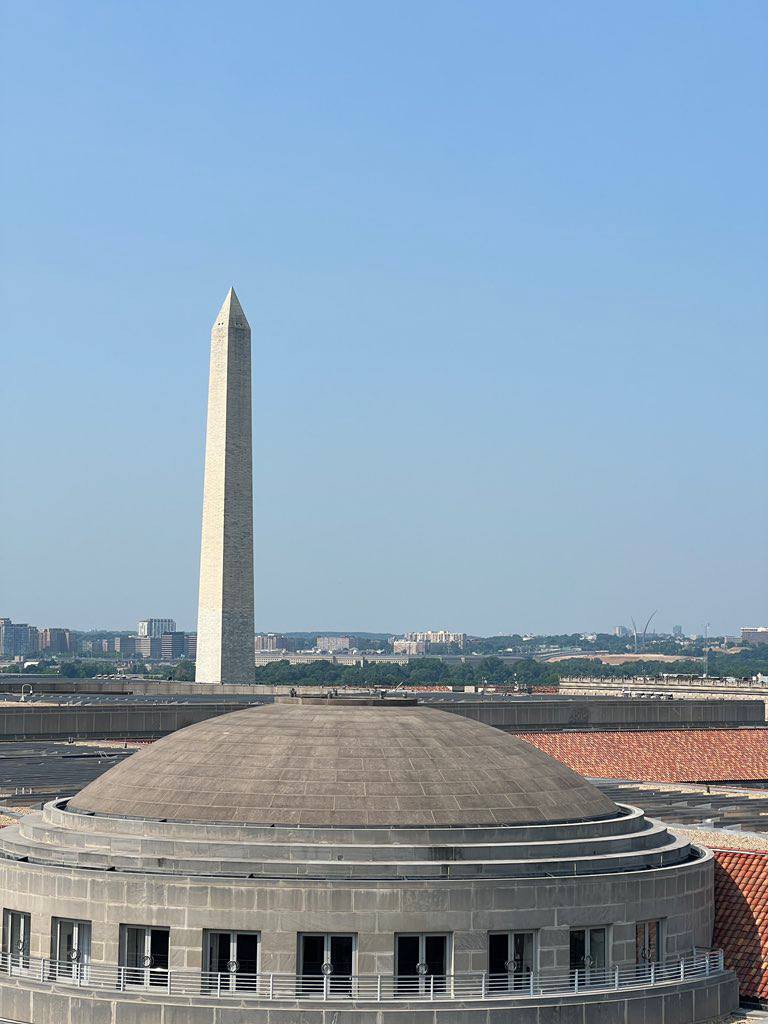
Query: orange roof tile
pixel 662 755
pixel 741 922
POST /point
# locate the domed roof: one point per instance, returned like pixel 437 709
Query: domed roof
pixel 341 765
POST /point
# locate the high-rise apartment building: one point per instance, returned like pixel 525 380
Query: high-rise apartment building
pixel 5 624
pixel 18 639
pixel 173 646
pixel 148 647
pixel 275 642
pixel 333 644
pixel 413 648
pixel 125 646
pixel 438 636
pixel 54 640
pixel 156 627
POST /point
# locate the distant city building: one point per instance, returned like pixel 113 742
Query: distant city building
pixel 276 642
pixel 438 636
pixel 55 640
pixel 754 634
pixel 18 639
pixel 33 640
pixel 96 647
pixel 677 631
pixel 148 647
pixel 332 644
pixel 190 645
pixel 125 646
pixel 104 645
pixel 173 645
pixel 412 648
pixel 621 631
pixel 156 627
pixel 271 642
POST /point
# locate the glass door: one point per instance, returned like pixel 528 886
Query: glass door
pixel 421 963
pixel 16 929
pixel 407 962
pixel 326 956
pixel 589 948
pixel 235 957
pixel 218 955
pixel 71 949
pixel 510 960
pixel 145 955
pixel 648 942
pixel 436 960
pixel 341 952
pixel 311 960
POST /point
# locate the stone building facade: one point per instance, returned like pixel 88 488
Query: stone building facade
pixel 312 861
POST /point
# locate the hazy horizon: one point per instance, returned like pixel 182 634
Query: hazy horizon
pixel 505 272
pixel 335 631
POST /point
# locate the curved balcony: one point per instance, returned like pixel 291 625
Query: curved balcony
pixel 467 987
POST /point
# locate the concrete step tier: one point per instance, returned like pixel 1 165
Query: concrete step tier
pixel 627 842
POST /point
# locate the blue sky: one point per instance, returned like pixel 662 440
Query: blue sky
pixel 505 267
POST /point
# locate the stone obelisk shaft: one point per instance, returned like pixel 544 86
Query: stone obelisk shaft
pixel 225 625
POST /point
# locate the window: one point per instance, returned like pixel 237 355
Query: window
pixel 511 959
pixel 648 942
pixel 70 948
pixel 235 955
pixel 144 955
pixel 326 955
pixel 421 962
pixel 16 929
pixel 589 949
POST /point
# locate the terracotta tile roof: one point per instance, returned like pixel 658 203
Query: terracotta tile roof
pixel 741 918
pixel 663 755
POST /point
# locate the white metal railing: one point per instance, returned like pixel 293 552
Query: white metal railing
pixel 363 987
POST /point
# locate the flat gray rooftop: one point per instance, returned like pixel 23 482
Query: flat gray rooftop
pixel 723 807
pixel 49 769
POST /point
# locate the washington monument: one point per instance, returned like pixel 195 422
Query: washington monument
pixel 225 626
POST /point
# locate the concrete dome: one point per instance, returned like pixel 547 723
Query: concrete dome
pixel 311 764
